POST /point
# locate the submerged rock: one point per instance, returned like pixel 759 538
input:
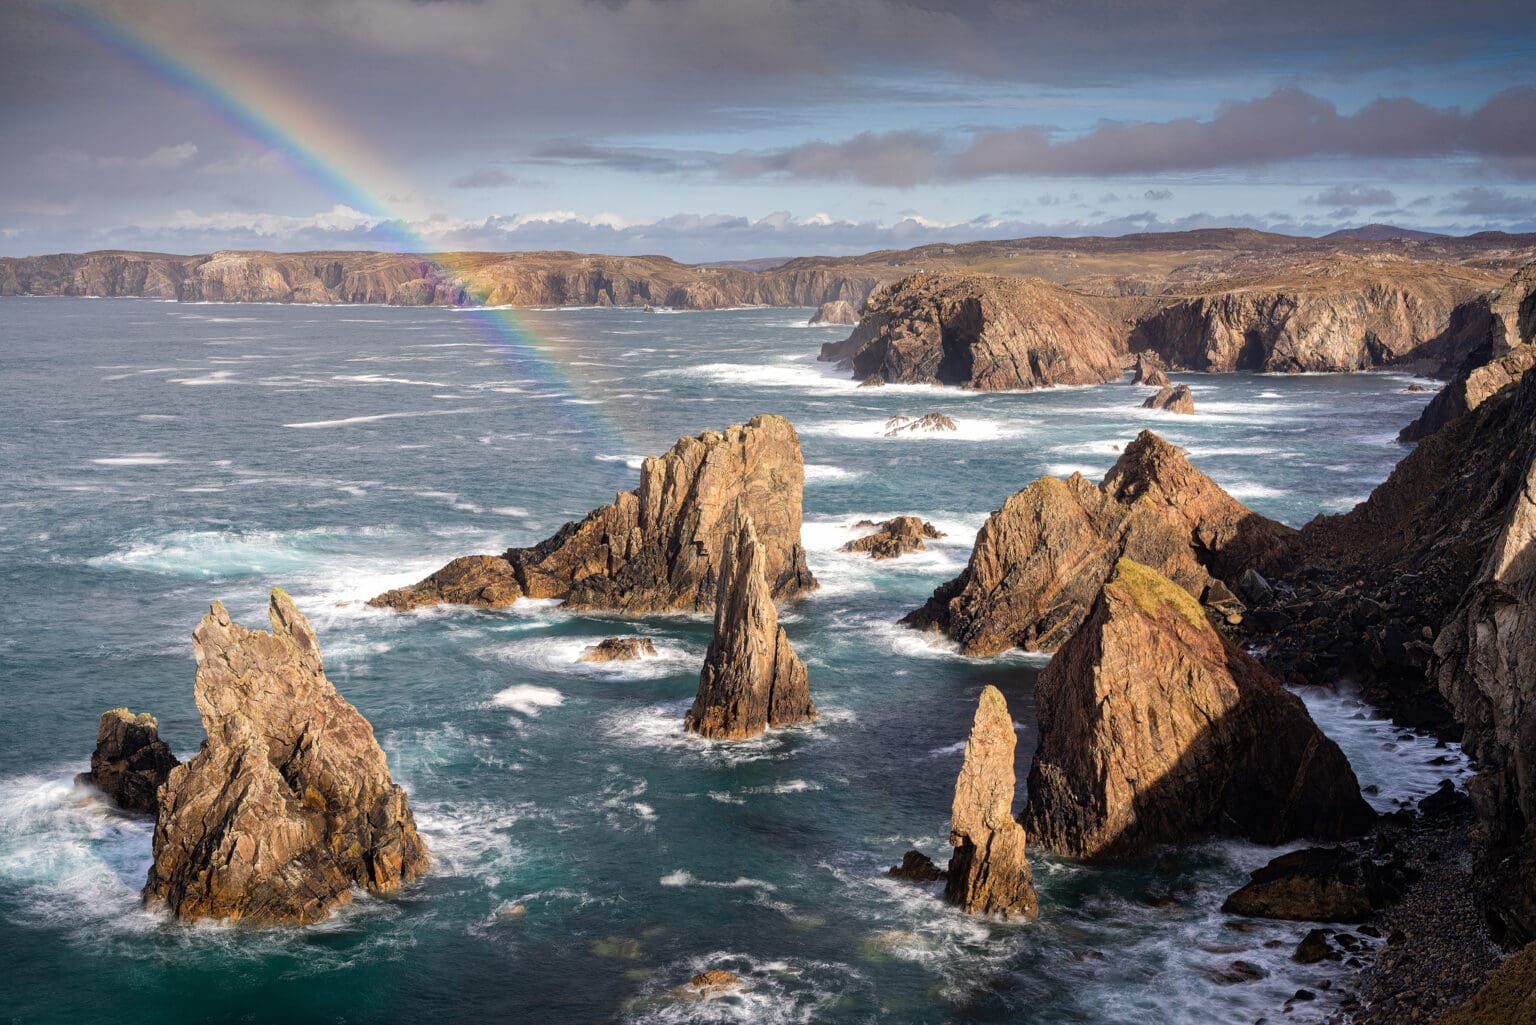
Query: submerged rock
pixel 838 311
pixel 752 678
pixel 928 423
pixel 289 804
pixel 1149 374
pixel 657 548
pixel 619 649
pixel 988 872
pixel 1039 562
pixel 716 978
pixel 894 537
pixel 979 332
pixel 130 761
pixel 1317 884
pixel 1172 400
pixel 1154 729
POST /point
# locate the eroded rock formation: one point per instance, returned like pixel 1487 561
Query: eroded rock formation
pixel 1038 562
pixel 928 423
pixel 657 548
pixel 979 332
pixel 1154 729
pixel 894 537
pixel 1172 400
pixel 838 312
pixel 988 872
pixel 1149 373
pixel 752 679
pixel 130 761
pixel 289 804
pixel 619 649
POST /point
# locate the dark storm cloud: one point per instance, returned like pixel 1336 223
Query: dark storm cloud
pixel 613 158
pixel 1482 201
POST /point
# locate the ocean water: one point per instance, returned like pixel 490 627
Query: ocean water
pixel 159 456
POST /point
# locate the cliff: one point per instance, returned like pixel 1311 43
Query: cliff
pixel 752 679
pixel 657 548
pixel 982 333
pixel 1040 560
pixel 1155 730
pixel 289 804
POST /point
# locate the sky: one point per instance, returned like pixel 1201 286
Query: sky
pixel 739 129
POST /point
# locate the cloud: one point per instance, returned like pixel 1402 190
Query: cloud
pixel 1157 195
pixel 900 159
pixel 1482 201
pixel 1353 196
pixel 613 158
pixel 486 178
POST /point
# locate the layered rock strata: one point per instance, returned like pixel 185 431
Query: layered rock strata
pixel 1039 562
pixel 130 761
pixel 289 803
pixel 752 679
pixel 988 871
pixel 1154 729
pixel 978 332
pixel 657 548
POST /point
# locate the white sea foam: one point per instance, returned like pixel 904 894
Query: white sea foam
pixel 684 878
pixel 134 459
pixel 788 991
pixel 528 699
pixel 379 416
pixel 633 462
pixel 967 428
pixel 563 655
pixel 1249 489
pixel 384 379
pixel 214 378
pixel 797 376
pixel 825 471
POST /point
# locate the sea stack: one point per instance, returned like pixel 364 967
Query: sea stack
pixel 657 548
pixel 1149 373
pixel 130 761
pixel 752 678
pixel 1172 399
pixel 1040 560
pixel 988 873
pixel 289 804
pixel 1154 729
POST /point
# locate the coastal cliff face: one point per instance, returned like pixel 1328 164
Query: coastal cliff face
pixel 979 332
pixel 289 803
pixel 988 872
pixel 752 679
pixel 1154 730
pixel 1039 562
pixel 1332 315
pixel 659 547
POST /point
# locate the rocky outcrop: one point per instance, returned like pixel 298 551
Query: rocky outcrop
pixel 657 548
pixel 1315 884
pixel 1496 360
pixel 289 804
pixel 1154 729
pixel 839 312
pixel 1039 562
pixel 752 678
pixel 1335 314
pixel 1172 400
pixel 928 423
pixel 130 761
pixel 894 537
pixel 619 649
pixel 917 867
pixel 988 872
pixel 1149 373
pixel 978 332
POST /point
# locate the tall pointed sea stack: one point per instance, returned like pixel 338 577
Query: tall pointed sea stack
pixel 289 803
pixel 988 873
pixel 656 548
pixel 1154 729
pixel 752 678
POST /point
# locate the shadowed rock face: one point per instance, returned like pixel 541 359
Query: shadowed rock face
pixel 1172 400
pixel 657 548
pixel 289 803
pixel 978 332
pixel 839 312
pixel 130 761
pixel 1149 374
pixel 894 537
pixel 1156 730
pixel 752 678
pixel 988 872
pixel 1039 561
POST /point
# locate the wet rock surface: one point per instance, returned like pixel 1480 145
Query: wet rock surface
pixel 894 537
pixel 619 649
pixel 130 761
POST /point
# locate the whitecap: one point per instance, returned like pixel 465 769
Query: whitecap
pixel 528 699
pixel 379 416
pixel 134 459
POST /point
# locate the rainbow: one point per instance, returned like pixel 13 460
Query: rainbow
pixel 330 156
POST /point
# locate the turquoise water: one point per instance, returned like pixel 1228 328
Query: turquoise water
pixel 159 456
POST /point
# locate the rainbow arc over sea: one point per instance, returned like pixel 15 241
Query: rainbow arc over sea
pixel 331 156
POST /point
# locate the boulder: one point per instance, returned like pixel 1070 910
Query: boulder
pixel 1154 729
pixel 988 872
pixel 289 803
pixel 1314 947
pixel 836 312
pixel 979 332
pixel 917 867
pixel 619 649
pixel 1149 373
pixel 130 761
pixel 894 537
pixel 1316 884
pixel 1039 562
pixel 1172 400
pixel 1253 587
pixel 752 679
pixel 657 548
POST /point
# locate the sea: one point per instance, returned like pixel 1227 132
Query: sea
pixel 588 856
